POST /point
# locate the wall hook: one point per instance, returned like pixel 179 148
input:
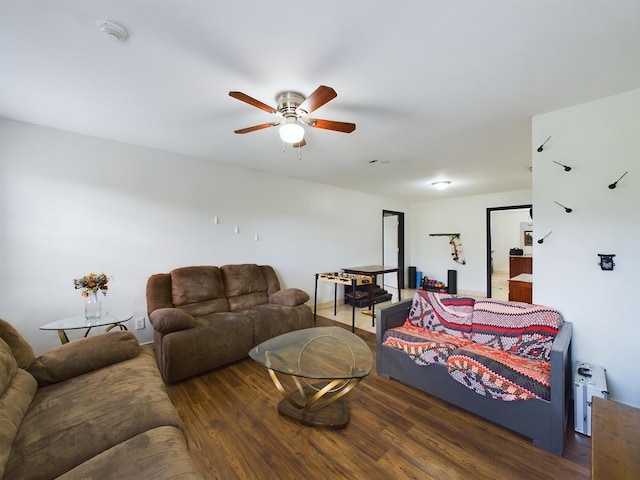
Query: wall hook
pixel 566 167
pixel 541 241
pixel 615 184
pixel 540 148
pixel 566 209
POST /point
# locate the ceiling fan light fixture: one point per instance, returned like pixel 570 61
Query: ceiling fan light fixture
pixel 291 131
pixel 441 185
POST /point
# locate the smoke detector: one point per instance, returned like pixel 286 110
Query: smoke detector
pixel 114 30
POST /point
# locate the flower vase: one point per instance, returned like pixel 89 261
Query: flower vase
pixel 93 307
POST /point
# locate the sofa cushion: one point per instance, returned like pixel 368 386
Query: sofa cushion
pixel 270 320
pixel 15 400
pixel 273 284
pixel 289 297
pixel 441 313
pixel 198 290
pixel 77 358
pixel 21 350
pixel 493 372
pixel 8 366
pixel 71 422
pixel 520 328
pixel 167 320
pixel 425 347
pixel 158 453
pixel 244 285
pixel 215 340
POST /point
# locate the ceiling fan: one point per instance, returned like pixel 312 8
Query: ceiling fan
pixel 293 109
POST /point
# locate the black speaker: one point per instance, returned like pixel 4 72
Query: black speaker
pixel 412 277
pixel 452 282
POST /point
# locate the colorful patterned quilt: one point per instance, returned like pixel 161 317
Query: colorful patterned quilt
pixel 498 349
pixel 425 347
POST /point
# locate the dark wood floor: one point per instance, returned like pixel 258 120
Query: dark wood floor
pixel 395 432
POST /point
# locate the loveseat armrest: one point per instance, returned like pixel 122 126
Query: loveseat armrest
pixel 83 356
pixel 289 297
pixel 167 320
pixel 390 317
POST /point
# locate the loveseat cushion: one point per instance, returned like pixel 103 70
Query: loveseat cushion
pixel 198 290
pixel 442 313
pixel 245 286
pixel 80 357
pixel 425 347
pixel 71 422
pixel 167 320
pixel 503 376
pixel 21 350
pixel 17 389
pixel 520 328
pixel 289 297
pixel 158 453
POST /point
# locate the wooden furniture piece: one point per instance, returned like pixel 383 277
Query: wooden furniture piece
pixel 374 271
pixel 112 319
pixel 521 288
pixel 330 356
pixel 615 440
pixel 346 279
pixel 520 264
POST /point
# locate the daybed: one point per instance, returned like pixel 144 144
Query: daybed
pixel 94 408
pixel 508 362
pixel 205 316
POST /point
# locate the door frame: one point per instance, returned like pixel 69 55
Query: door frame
pixel 400 215
pixel 490 210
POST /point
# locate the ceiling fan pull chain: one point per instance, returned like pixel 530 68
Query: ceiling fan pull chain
pixel 299 151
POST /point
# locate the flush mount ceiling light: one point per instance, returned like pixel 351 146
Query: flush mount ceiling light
pixel 291 131
pixel 441 185
pixel 114 30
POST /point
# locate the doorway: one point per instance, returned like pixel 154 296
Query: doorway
pixel 494 244
pixel 393 247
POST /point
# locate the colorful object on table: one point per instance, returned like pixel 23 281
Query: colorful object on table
pixel 92 283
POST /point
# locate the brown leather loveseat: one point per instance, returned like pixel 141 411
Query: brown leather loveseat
pixel 206 316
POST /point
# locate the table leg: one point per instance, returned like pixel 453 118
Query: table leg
pixel 315 301
pixel 63 337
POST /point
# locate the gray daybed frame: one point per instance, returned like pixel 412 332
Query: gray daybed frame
pixel 543 421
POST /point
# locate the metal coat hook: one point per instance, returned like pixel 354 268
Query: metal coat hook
pixel 566 167
pixel 615 184
pixel 540 148
pixel 541 241
pixel 566 209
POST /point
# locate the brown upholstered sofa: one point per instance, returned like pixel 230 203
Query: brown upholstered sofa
pixel 94 408
pixel 206 316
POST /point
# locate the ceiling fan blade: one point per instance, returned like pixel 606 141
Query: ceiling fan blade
pixel 301 144
pixel 257 127
pixel 318 98
pixel 243 97
pixel 331 125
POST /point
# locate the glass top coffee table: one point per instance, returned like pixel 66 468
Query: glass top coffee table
pixel 111 319
pixel 329 361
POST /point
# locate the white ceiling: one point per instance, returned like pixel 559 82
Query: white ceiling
pixel 439 90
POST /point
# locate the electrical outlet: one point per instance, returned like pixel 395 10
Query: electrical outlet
pixel 140 323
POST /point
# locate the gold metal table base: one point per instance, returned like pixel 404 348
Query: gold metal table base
pixel 64 339
pixel 316 405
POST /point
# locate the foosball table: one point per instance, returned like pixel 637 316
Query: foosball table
pixel 341 278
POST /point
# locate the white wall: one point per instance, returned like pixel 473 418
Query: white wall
pixel 600 140
pixel 72 204
pixel 464 215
